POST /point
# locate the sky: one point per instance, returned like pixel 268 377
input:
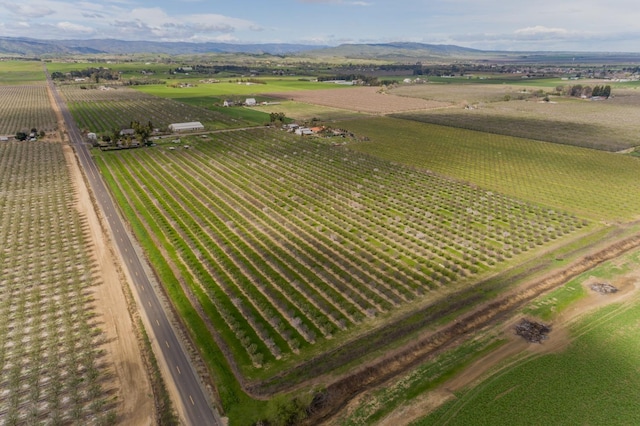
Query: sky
pixel 514 25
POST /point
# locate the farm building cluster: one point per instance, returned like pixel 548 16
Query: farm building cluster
pixel 315 130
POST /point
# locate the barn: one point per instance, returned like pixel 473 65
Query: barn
pixel 192 126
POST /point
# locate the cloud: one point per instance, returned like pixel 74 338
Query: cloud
pixel 145 23
pixel 92 15
pixel 74 28
pixel 28 11
pixel 542 38
pixel 541 31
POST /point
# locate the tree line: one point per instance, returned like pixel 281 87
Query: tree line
pixel 95 74
pixel 578 91
pixel 359 79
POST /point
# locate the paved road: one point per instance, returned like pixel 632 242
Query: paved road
pixel 194 400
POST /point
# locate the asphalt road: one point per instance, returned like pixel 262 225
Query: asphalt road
pixel 196 406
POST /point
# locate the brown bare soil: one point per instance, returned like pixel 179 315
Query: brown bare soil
pixel 459 94
pixel 130 379
pixel 361 99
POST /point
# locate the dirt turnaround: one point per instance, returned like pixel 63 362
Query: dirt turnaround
pixel 134 396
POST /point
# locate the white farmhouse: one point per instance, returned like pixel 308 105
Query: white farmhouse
pixel 192 126
pixel 303 131
pixel 250 102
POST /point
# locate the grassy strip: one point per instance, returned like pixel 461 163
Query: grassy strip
pixel 422 379
pixel 232 88
pixel 551 304
pixel 166 412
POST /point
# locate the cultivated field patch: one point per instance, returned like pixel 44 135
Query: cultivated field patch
pixel 605 125
pixel 21 72
pixel 101 110
pixel 229 87
pixel 300 111
pixel 290 245
pixel 462 93
pixel 361 99
pixel 53 367
pixel 585 182
pixel 25 107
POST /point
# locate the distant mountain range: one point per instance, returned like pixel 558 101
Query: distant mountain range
pixel 33 47
pixel 398 51
pixel 401 51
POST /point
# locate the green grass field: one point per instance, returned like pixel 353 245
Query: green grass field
pixel 21 72
pixel 231 87
pixel 594 381
pixel 598 185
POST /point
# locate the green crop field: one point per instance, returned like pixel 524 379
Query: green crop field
pixel 291 246
pixel 98 110
pixel 593 381
pixel 21 72
pixel 235 87
pixel 598 185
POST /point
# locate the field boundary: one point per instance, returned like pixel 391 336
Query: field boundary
pixel 338 394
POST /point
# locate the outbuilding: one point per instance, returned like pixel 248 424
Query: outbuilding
pixel 192 126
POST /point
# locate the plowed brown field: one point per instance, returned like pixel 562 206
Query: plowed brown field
pixel 361 99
